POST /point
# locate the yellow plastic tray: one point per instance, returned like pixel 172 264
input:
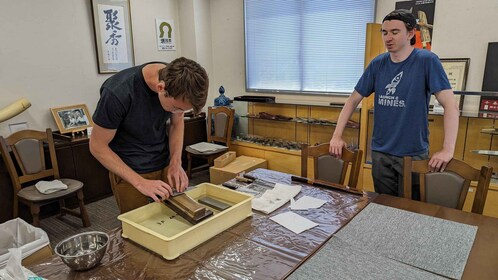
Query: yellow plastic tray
pixel 156 227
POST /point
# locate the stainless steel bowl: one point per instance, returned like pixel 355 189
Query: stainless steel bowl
pixel 83 251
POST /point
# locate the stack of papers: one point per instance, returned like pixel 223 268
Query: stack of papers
pixel 275 198
pixel 204 147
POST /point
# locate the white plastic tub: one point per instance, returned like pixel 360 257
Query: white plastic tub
pixel 159 229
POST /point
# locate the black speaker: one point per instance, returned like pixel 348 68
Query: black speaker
pixel 490 80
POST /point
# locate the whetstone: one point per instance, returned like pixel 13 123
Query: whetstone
pixel 188 208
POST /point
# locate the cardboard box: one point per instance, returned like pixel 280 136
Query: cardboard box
pixel 238 165
pixel 38 256
pixel 224 159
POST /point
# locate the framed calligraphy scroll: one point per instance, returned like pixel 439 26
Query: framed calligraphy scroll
pixel 113 36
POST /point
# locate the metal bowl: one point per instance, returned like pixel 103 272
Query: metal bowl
pixel 83 251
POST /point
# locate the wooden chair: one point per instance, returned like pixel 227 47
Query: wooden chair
pixel 219 131
pixel 448 188
pixel 329 168
pixel 26 164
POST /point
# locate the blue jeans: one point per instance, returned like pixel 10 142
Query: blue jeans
pixel 387 173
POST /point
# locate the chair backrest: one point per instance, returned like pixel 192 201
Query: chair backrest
pixel 220 124
pixel 28 156
pixel 448 188
pixel 331 169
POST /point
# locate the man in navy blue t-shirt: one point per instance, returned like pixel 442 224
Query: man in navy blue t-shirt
pixel 403 80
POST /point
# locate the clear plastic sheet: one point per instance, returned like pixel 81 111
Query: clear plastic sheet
pixel 256 248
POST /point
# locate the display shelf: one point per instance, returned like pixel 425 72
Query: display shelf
pixel 485 152
pixel 492 131
pixel 277 137
pixel 310 121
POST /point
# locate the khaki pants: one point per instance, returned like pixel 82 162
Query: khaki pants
pixel 127 196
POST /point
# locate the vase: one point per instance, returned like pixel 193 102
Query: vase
pixel 222 100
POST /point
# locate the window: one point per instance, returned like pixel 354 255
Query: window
pixel 310 46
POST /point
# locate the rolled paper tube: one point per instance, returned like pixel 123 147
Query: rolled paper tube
pixel 14 109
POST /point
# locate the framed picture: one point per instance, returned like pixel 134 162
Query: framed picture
pixel 113 35
pixel 72 118
pixel 457 70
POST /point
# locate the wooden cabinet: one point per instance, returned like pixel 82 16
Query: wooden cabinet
pixel 278 140
pixel 75 161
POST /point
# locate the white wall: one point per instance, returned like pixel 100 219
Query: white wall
pixel 47 49
pixel 462 29
pixel 47 53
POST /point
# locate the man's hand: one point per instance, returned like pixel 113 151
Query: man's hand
pixel 439 160
pixel 158 190
pixel 336 145
pixel 177 177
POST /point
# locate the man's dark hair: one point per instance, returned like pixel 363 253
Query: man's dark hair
pixel 186 79
pixel 405 16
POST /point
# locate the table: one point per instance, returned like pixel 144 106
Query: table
pixel 483 259
pixel 258 248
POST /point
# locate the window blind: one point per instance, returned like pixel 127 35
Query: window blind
pixel 306 46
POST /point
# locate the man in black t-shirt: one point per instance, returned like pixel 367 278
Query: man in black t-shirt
pixel 131 137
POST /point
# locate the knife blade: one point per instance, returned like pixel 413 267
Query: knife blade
pixel 326 184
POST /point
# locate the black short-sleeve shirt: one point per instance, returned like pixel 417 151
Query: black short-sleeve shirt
pixel 128 105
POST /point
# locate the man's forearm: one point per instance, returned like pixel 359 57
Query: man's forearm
pixel 451 120
pixel 176 141
pixel 346 113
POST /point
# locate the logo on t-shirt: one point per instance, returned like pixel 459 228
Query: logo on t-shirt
pixel 389 99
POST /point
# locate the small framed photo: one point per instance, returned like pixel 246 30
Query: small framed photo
pixel 72 118
pixel 113 35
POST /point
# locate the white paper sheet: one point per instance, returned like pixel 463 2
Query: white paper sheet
pixel 294 222
pixel 207 147
pixel 275 198
pixel 306 202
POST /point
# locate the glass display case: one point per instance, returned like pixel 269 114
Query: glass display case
pixel 286 126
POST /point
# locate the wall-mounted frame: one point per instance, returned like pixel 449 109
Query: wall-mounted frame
pixel 113 35
pixel 72 118
pixel 457 70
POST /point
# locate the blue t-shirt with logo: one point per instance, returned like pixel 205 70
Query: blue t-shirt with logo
pixel 402 95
